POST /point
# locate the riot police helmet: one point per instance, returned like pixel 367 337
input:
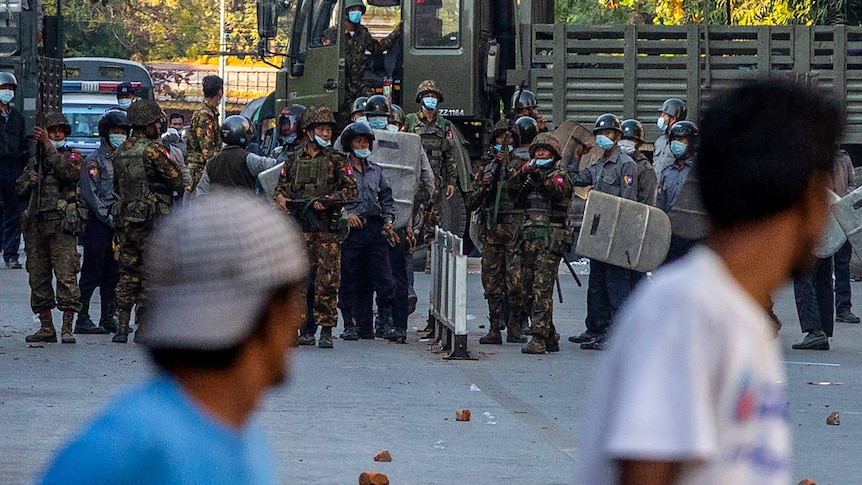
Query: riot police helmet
pixel 684 129
pixel 56 118
pixel 236 130
pixel 675 108
pixel 633 129
pixel 113 118
pixel 290 120
pixel 354 130
pixel 608 121
pixel 523 99
pixel 548 141
pixel 8 79
pixel 144 113
pixel 396 115
pixel 527 129
pixel 359 105
pixel 377 105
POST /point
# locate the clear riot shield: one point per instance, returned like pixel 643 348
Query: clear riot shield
pixel 268 179
pixel 398 153
pixel 688 218
pixel 848 213
pixel 833 236
pixel 624 233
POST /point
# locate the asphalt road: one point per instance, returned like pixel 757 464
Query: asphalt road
pixel 344 405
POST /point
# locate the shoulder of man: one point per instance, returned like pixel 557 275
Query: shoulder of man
pixel 75 157
pixel 154 150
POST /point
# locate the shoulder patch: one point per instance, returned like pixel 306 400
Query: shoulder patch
pixel 450 134
pixel 74 156
pixel 283 171
pixel 628 180
pixel 348 170
pixel 559 180
pixel 92 170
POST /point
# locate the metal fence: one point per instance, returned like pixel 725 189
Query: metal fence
pixel 447 310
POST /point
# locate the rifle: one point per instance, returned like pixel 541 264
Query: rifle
pixel 496 187
pixel 306 215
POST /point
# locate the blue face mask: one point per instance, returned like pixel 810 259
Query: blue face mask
pixel 378 122
pixel 288 139
pixel 391 128
pixel 544 162
pixel 661 124
pixel 124 103
pixel 678 148
pixel 429 103
pixel 116 140
pixel 6 96
pixel 497 148
pixel 355 16
pixel 362 152
pixel 58 144
pixel 361 119
pixel 604 142
pixel 321 142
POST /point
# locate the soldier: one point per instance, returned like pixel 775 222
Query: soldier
pixel 313 175
pixel 671 111
pixel 683 139
pixel 204 136
pixel 609 286
pixel 233 166
pixel 96 187
pixel 13 158
pixel 125 96
pixel 633 138
pixel 144 180
pixel 438 140
pixel 525 103
pixel 501 253
pixel 50 224
pixel 364 255
pixel 542 186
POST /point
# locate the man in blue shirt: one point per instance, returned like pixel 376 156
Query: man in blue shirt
pixel 219 342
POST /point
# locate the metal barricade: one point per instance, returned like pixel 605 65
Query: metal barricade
pixel 447 310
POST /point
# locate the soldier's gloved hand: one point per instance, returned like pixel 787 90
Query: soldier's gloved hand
pixel 389 233
pixel 411 240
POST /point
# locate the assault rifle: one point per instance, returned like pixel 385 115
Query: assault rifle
pixel 495 190
pixel 305 214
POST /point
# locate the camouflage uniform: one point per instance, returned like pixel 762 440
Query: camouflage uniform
pixel 355 47
pixel 204 139
pixel 145 178
pixel 647 179
pixel 546 195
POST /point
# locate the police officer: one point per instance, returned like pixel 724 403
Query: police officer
pixel 96 187
pixel 204 140
pixel 125 95
pixel 543 187
pixel 438 140
pixel 616 174
pixel 50 224
pixel 358 112
pixel 290 132
pixel 671 111
pixel 13 158
pixel 233 167
pixel 145 179
pixel 843 182
pixel 683 138
pixel 633 138
pixel 364 256
pixel 525 103
pixel 312 176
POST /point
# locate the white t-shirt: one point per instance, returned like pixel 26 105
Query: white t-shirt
pixel 692 375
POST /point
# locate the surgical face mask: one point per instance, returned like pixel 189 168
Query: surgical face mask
pixel 361 119
pixel 173 131
pixel 391 128
pixel 6 96
pixel 627 146
pixel 604 142
pixel 58 144
pixel 124 103
pixel 378 122
pixel 321 142
pixel 662 125
pixel 497 148
pixel 287 140
pixel 116 140
pixel 429 103
pixel 362 152
pixel 678 148
pixel 355 16
pixel 543 162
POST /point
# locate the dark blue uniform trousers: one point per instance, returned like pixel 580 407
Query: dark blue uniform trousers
pixel 842 278
pixel 609 286
pixel 814 298
pixel 365 265
pixel 10 218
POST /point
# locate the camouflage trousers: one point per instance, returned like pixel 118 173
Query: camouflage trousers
pixel 324 257
pixel 131 241
pixel 501 269
pixel 196 171
pixel 52 254
pixel 432 218
pixel 538 280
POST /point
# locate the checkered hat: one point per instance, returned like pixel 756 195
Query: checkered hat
pixel 212 267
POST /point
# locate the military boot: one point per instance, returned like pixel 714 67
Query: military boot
pixel 514 335
pixel 552 344
pixel 108 321
pixel 66 335
pixel 84 324
pixel 46 332
pixel 384 322
pixel 325 338
pixel 123 330
pixel 305 339
pixel 494 336
pixel 536 345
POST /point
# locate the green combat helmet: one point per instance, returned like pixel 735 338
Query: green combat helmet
pixel 56 118
pixel 428 86
pixel 317 115
pixel 549 141
pixel 144 113
pixel 354 3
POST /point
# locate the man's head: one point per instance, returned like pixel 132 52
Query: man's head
pixel 8 85
pixel 213 87
pixel 429 95
pixel 527 130
pixel 212 313
pixel 545 149
pixel 377 111
pixel 357 113
pixel 290 124
pixel 608 131
pixel 318 122
pixel 353 10
pixel 114 128
pixel 633 136
pixel 684 137
pixel 396 116
pixel 359 139
pixel 766 152
pixel 58 128
pixel 176 121
pixel 147 117
pixel 525 103
pixel 237 130
pixel 125 94
pixel 671 111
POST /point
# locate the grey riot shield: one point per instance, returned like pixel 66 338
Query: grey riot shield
pixel 398 153
pixel 623 232
pixel 688 218
pixel 833 236
pixel 269 179
pixel 477 230
pixel 848 212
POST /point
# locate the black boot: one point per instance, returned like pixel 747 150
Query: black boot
pixel 84 324
pixel 123 330
pixel 108 320
pixel 384 322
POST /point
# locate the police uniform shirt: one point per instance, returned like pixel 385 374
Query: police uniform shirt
pixel 614 175
pixel 97 183
pixel 670 184
pixel 375 194
pixel 662 156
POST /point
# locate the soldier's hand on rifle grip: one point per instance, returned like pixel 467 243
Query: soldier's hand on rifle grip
pixel 411 240
pixel 41 134
pixel 281 201
pixel 450 191
pixel 391 236
pixel 317 206
pixel 354 221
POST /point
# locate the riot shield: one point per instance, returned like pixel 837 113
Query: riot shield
pixel 848 213
pixel 833 236
pixel 268 179
pixel 398 153
pixel 624 233
pixel 688 218
pixel 477 230
pixel 462 159
pixel 572 134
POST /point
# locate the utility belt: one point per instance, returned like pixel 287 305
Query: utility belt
pixel 557 239
pixel 322 221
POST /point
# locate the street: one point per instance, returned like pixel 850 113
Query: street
pixel 344 405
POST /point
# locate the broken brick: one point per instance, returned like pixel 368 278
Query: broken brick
pixel 462 415
pixel 807 481
pixel 373 478
pixel 833 419
pixel 383 455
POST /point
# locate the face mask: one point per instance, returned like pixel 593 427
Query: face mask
pixel 124 103
pixel 543 162
pixel 362 152
pixel 116 140
pixel 627 146
pixel 429 103
pixel 604 142
pixel 678 148
pixel 661 123
pixel 173 131
pixel 321 142
pixel 391 128
pixel 361 119
pixel 497 148
pixel 288 139
pixel 58 144
pixel 378 123
pixel 6 95
pixel 355 16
